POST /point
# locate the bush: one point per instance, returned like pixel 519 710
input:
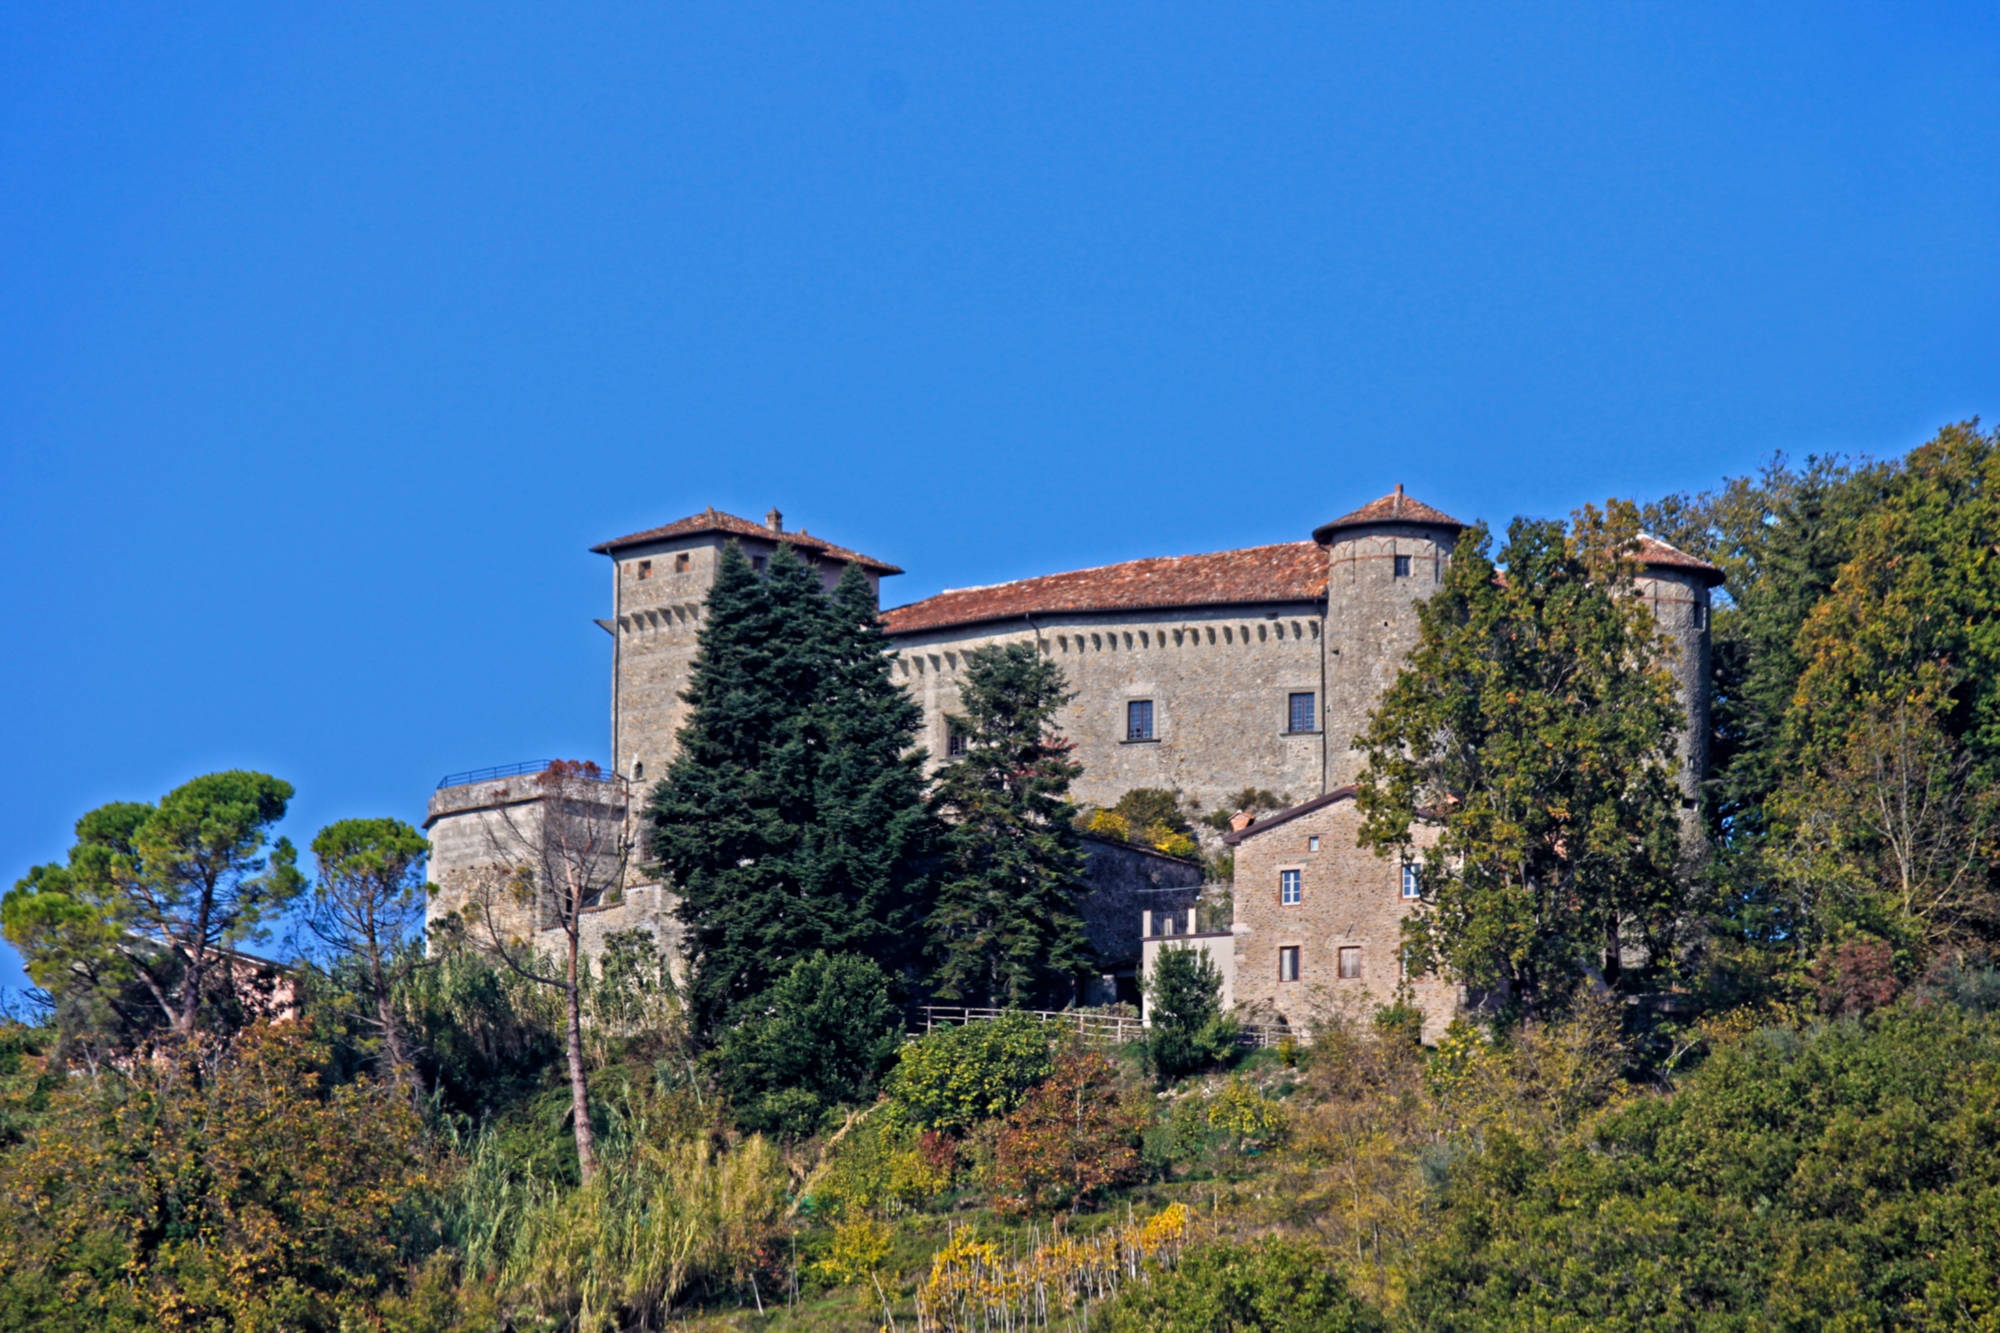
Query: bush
pixel 817 1039
pixel 955 1077
pixel 223 1187
pixel 1845 1177
pixel 1268 1286
pixel 883 1167
pixel 1184 1007
pixel 1077 1133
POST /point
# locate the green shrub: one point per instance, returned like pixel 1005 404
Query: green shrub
pixel 817 1039
pixel 1268 1286
pixel 1184 1006
pixel 958 1076
pixel 1844 1177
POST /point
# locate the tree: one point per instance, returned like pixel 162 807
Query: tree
pixel 566 851
pixel 368 905
pixel 1005 929
pixel 817 1039
pixel 954 1077
pixel 215 1187
pixel 1184 1012
pixel 162 896
pixel 1534 725
pixel 1077 1133
pixel 792 817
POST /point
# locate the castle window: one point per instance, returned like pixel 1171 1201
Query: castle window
pixel 645 569
pixel 1312 843
pixel 1288 963
pixel 954 740
pixel 681 563
pixel 1139 720
pixel 638 770
pixel 757 563
pixel 1350 962
pixel 1700 615
pixel 1300 714
pixel 1402 566
pixel 1289 893
pixel 1412 887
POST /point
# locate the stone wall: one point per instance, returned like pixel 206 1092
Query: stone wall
pixel 484 850
pixel 1371 624
pixel 656 613
pixel 1350 898
pixel 1219 678
pixel 1680 603
pixel 1124 882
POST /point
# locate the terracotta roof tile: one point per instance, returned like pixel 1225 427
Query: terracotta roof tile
pixel 1654 552
pixel 714 520
pixel 1290 572
pixel 1395 507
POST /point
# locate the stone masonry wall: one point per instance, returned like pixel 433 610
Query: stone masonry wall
pixel 1349 899
pixel 1371 625
pixel 1680 603
pixel 1219 678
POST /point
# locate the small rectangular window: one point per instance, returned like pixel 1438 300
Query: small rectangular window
pixel 1411 888
pixel 1139 720
pixel 1402 566
pixel 1312 844
pixel 954 740
pixel 645 569
pixel 681 563
pixel 1288 888
pixel 1300 715
pixel 1350 962
pixel 1288 963
pixel 757 563
pixel 1700 615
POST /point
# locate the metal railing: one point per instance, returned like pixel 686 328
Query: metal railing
pixel 466 779
pixel 1106 1029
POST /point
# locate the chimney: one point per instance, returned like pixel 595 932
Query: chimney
pixel 1399 498
pixel 1241 820
pixel 775 521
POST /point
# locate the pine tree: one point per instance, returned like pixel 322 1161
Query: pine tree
pixel 791 819
pixel 1006 929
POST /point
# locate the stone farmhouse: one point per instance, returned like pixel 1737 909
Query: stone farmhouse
pixel 1205 674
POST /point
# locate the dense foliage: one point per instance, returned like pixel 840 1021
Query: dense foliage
pixel 1005 930
pixel 792 818
pixel 818 1039
pixel 1789 1119
pixel 1533 727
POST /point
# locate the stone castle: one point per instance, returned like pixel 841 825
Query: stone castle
pixel 1204 674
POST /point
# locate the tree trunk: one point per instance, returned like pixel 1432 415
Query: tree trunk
pixel 579 1085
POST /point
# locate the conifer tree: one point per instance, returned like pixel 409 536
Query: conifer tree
pixel 792 818
pixel 1006 930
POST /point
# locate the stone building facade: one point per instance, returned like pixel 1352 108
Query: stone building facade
pixel 1204 674
pixel 1318 919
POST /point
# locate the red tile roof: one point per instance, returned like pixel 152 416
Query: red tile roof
pixel 1395 507
pixel 1658 554
pixel 714 520
pixel 1290 572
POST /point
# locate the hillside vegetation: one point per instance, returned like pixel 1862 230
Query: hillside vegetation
pixel 1750 1084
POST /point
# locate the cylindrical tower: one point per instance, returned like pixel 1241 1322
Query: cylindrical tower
pixel 1382 559
pixel 1676 586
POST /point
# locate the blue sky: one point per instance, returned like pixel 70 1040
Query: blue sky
pixel 331 336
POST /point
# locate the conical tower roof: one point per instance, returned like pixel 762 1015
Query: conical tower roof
pixel 1395 507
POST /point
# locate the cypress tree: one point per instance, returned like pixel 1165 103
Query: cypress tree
pixel 791 819
pixel 1005 929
